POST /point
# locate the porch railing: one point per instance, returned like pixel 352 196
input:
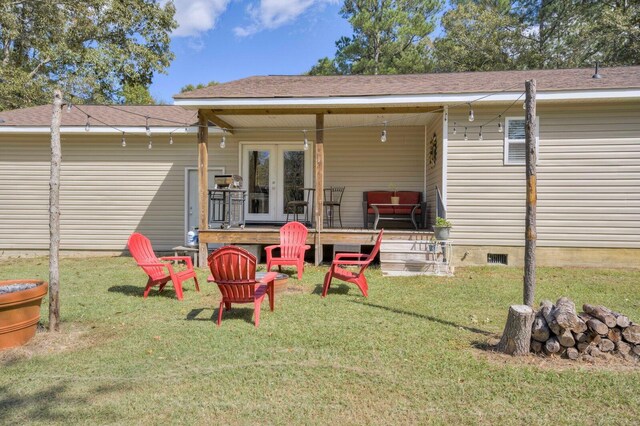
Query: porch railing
pixel 441 210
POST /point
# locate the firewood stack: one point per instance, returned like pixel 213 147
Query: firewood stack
pixel 598 331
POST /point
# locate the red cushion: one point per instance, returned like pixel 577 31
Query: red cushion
pixel 405 210
pixel 382 210
pixel 409 197
pixel 378 197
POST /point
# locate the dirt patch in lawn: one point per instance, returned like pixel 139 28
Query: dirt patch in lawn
pixel 486 350
pixel 72 337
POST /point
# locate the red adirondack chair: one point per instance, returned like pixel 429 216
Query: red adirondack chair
pixel 234 270
pixel 351 259
pixel 292 246
pixel 160 273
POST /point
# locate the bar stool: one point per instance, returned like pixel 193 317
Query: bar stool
pixel 332 201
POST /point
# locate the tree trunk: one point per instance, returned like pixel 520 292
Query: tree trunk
pixel 54 214
pixel 516 339
pixel 601 313
pixel 530 215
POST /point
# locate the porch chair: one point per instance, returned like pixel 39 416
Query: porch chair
pixel 332 202
pixel 293 236
pixel 142 252
pixel 351 259
pixel 234 270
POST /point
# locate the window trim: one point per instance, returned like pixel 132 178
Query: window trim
pixel 507 141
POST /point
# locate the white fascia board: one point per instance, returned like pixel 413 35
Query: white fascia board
pixel 389 100
pixel 99 130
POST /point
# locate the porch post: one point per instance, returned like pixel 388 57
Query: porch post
pixel 319 185
pixel 203 183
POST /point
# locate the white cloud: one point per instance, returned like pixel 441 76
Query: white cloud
pixel 271 14
pixel 197 16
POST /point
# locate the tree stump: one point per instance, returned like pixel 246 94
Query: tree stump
pixel 516 338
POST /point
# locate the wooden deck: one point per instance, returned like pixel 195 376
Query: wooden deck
pixel 330 236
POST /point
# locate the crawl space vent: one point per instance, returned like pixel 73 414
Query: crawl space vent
pixel 496 259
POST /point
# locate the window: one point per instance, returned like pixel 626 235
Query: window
pixel 514 151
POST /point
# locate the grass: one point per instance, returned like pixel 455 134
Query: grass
pixel 407 354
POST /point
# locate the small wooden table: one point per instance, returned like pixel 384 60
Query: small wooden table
pixel 187 251
pixel 379 216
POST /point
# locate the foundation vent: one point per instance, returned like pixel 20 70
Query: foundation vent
pixel 496 259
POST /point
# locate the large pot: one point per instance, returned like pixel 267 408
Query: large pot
pixel 441 233
pixel 20 312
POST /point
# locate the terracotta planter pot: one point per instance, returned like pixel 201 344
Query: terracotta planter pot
pixel 20 312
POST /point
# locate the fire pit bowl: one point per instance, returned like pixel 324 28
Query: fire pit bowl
pixel 20 302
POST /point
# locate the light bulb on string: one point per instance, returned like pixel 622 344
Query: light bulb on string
pixel 150 144
pixel 454 128
pixel 69 106
pixel 480 134
pixel 383 134
pixel 465 134
pixel 500 123
pixel 446 116
pixel 124 141
pixel 170 138
pixel 471 117
pixel 306 141
pixel 524 105
pixel 223 142
pixel 87 126
pixel 146 126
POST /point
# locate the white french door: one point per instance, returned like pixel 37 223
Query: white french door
pixel 273 175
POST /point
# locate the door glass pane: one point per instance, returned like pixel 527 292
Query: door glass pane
pixel 293 172
pixel 258 183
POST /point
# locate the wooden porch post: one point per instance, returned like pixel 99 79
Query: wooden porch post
pixel 203 183
pixel 319 184
pixel 530 216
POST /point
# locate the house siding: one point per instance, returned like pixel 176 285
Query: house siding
pixel 588 176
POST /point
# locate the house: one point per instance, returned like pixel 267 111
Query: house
pixel 472 172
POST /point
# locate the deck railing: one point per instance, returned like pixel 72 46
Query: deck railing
pixel 441 210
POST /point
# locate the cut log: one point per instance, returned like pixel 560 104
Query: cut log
pixel 540 330
pixel 606 345
pixel 623 347
pixel 516 338
pixel 564 314
pixel 601 313
pixel 581 337
pixel 632 334
pixel 536 347
pixel 566 339
pixel 581 327
pixel 615 334
pixel 583 346
pixel 594 351
pixel 552 346
pixel 623 321
pixel 546 308
pixel 636 350
pixel 595 338
pixel 572 353
pixel 598 326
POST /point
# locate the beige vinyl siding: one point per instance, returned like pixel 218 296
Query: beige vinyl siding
pixel 434 171
pixel 107 191
pixel 588 179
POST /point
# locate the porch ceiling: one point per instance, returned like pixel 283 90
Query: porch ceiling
pixel 338 120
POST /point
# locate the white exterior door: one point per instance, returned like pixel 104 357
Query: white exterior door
pixel 273 175
pixel 192 205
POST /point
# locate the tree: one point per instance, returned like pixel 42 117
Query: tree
pixel 480 36
pixel 389 36
pixel 190 87
pixel 92 49
pixel 137 94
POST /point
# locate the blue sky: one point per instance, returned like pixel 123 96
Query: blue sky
pixel 225 40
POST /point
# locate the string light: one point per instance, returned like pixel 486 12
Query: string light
pixel 524 105
pixel 480 134
pixel 171 138
pixel 87 126
pixel 69 106
pixel 306 141
pixel 383 134
pixel 446 116
pixel 150 144
pixel 465 134
pixel 454 128
pixel 223 141
pixel 500 123
pixel 146 126
pixel 124 142
pixel 471 117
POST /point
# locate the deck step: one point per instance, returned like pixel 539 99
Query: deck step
pixel 415 256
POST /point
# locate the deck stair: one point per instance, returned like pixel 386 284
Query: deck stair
pixel 417 255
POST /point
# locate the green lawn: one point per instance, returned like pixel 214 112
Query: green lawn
pixel 410 353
